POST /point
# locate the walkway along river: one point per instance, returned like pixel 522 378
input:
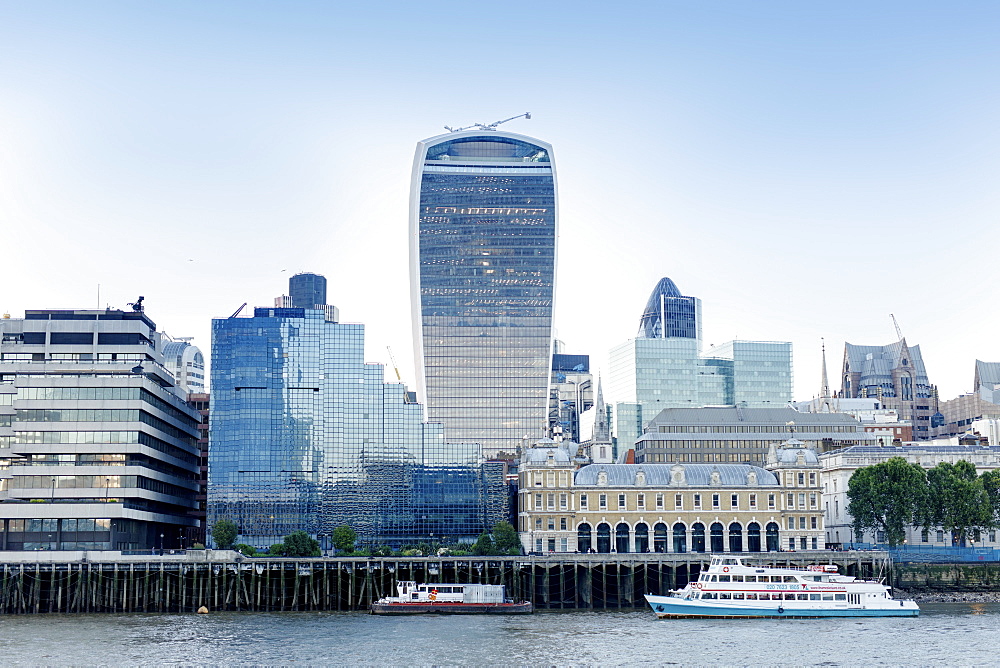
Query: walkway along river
pixel 183 583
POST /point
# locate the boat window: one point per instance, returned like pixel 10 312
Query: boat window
pixel 414 596
pixel 750 578
pixel 775 578
pixel 814 597
pixel 725 595
pixel 817 578
pixel 715 578
pixel 789 597
pixel 730 562
pixel 802 597
pixel 723 578
pixel 751 597
pixel 827 597
pixel 709 594
pixel 422 589
pixel 738 596
pixel 737 578
pixel 703 577
pixel 789 578
pixel 765 597
pixel 840 597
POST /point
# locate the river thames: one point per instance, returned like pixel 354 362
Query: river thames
pixel 953 634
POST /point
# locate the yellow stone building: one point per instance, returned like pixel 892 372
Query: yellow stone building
pixel 566 507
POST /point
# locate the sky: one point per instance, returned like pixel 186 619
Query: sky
pixel 806 169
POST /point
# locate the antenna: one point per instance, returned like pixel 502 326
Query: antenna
pixel 899 332
pixel 490 126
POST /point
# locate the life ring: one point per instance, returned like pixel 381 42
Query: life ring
pixel 697 585
pixel 781 610
pixel 725 569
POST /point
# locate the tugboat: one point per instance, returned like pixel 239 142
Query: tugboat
pixel 734 587
pixel 449 599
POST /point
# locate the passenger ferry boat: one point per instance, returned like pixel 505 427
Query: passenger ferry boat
pixel 449 599
pixel 734 587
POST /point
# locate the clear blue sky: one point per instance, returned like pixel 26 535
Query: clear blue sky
pixel 805 168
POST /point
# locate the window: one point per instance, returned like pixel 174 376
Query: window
pixel 790 505
pixel 802 522
pixel 802 500
pixel 538 523
pixel 802 479
pixel 603 501
pixel 621 502
pixel 734 501
pixel 813 522
pixel 812 501
pixel 924 536
pixel 562 525
pixel 791 544
pixel 659 501
pixel 770 501
pixel 564 544
pixel 715 501
pixel 791 523
pixel 583 502
pixel 538 545
pixel 940 536
pixel 815 543
pixel 563 501
pixel 552 524
pixel 753 502
pixel 697 501
pixel 640 501
pixel 551 498
pixel 538 501
pixel 812 479
pixel 678 501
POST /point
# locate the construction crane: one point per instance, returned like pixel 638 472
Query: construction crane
pixel 895 324
pixel 491 126
pixel 395 367
pixel 239 310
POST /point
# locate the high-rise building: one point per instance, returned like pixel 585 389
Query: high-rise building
pixel 895 375
pixel 186 363
pixel 306 436
pixel 571 393
pixel 482 262
pixel 307 290
pixel 663 367
pixel 97 445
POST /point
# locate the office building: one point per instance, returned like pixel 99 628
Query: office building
pixel 306 436
pixel 741 435
pixel 97 445
pixel 186 363
pixel 565 507
pixel 482 272
pixel 303 292
pixel 895 375
pixel 570 394
pixel 663 367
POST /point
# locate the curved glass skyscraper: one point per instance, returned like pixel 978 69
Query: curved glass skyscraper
pixel 482 264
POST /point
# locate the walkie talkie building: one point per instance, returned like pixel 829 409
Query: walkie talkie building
pixel 482 264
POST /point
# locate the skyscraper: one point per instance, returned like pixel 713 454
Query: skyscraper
pixel 307 290
pixel 482 272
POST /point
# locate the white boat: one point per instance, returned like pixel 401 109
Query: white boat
pixel 449 599
pixel 735 587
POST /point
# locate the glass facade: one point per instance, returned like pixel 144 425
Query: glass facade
pixel 483 252
pixel 307 436
pixel 307 290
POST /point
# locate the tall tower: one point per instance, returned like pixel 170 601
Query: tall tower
pixel 307 290
pixel 482 275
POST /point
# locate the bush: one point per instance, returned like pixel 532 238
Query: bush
pixel 245 550
pixel 382 551
pixel 484 545
pixel 344 538
pixel 224 533
pixel 301 544
pixel 277 550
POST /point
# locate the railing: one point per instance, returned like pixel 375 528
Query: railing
pixel 941 554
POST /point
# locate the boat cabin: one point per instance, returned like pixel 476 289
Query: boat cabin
pixel 412 592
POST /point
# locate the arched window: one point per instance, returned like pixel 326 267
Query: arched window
pixel 735 537
pixel 698 537
pixel 772 537
pixel 660 537
pixel 621 537
pixel 680 538
pixel 717 543
pixel 604 538
pixel 753 537
pixel 583 538
pixel 641 538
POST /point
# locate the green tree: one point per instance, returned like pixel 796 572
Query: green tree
pixel 505 538
pixel 277 550
pixel 991 485
pixel 484 545
pixel 888 497
pixel 224 534
pixel 344 538
pixel 301 544
pixel 957 501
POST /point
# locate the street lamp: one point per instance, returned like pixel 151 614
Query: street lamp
pixel 52 496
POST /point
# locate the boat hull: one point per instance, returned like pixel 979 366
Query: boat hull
pixel 442 608
pixel 671 607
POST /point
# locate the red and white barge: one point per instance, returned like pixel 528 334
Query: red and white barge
pixel 456 599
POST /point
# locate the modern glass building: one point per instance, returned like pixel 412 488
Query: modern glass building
pixel 663 367
pixel 306 436
pixel 307 290
pixel 97 446
pixel 482 263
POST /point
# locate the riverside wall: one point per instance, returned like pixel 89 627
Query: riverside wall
pixel 930 578
pixel 218 580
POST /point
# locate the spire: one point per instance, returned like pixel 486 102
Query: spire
pixel 824 403
pixel 602 431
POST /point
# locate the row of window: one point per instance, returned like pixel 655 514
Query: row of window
pixel 752 429
pixel 792 501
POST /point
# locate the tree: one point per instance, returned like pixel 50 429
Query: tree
pixel 888 497
pixel 484 545
pixel 344 538
pixel 505 538
pixel 301 544
pixel 224 534
pixel 957 501
pixel 277 550
pixel 991 485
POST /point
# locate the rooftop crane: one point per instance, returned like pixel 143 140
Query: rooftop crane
pixel 395 366
pixel 491 126
pixel 899 332
pixel 239 310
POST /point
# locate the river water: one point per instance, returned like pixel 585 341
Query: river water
pixel 951 634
